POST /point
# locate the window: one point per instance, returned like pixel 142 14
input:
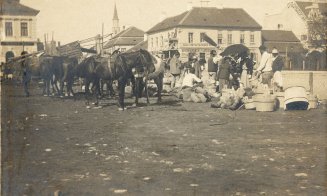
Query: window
pixel 230 38
pixel 190 37
pixel 123 49
pixel 23 29
pixel 152 42
pixel 202 37
pixel 157 42
pixel 280 26
pixel 8 27
pixel 220 38
pixel 252 37
pixel 304 37
pixel 242 38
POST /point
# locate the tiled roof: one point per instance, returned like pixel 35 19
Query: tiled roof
pixel 130 36
pixel 304 4
pixel 130 32
pixel 168 23
pixel 11 7
pixel 282 47
pixel 209 17
pixel 141 45
pixel 278 36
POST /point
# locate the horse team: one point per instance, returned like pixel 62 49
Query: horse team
pixel 121 67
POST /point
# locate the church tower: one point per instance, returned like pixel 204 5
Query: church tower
pixel 115 22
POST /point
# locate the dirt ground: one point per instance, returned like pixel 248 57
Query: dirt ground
pixel 175 148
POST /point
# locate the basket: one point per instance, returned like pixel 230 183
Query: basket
pixel 248 103
pixel 226 91
pixel 264 103
pixel 280 99
pixel 313 101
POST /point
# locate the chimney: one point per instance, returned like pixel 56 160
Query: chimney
pixel 189 5
pixel 163 16
pixel 123 27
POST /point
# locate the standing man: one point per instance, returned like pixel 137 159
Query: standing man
pixel 26 72
pixel 197 66
pixel 265 66
pixel 277 66
pixel 213 65
pixel 224 73
pixel 175 68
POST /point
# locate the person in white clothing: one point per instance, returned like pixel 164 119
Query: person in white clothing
pixel 191 88
pixel 265 66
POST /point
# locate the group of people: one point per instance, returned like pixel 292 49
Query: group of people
pixel 270 68
pixel 231 71
pixel 225 72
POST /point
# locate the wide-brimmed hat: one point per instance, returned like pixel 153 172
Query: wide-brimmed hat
pixel 274 51
pixel 195 57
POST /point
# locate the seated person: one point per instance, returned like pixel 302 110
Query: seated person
pixel 191 88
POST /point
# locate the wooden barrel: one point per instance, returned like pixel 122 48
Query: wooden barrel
pixel 295 97
pixel 313 101
pixel 264 102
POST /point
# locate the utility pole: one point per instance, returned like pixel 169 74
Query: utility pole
pixel 102 40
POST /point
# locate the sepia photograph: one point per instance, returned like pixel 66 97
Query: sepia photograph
pixel 163 97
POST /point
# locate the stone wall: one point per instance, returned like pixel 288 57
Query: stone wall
pixel 301 78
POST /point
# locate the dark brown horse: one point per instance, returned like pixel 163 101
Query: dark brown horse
pixel 127 66
pixel 120 67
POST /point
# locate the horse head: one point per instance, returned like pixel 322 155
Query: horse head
pixel 147 60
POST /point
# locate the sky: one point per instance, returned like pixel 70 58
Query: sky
pixel 71 20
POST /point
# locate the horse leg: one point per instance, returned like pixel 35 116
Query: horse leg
pixel 61 92
pixel 121 93
pixel 146 91
pixel 97 90
pixel 159 83
pixel 47 86
pixel 110 88
pixel 87 91
pixel 44 86
pixel 136 86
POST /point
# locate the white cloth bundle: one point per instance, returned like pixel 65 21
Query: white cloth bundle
pixel 278 78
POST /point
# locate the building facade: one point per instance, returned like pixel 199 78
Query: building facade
pixel 295 18
pixel 17 29
pixel 186 32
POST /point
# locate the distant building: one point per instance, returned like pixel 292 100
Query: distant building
pixel 185 32
pixel 115 22
pixel 142 45
pixel 124 40
pixel 17 29
pixel 295 18
pixel 288 46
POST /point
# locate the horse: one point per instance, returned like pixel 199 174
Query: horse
pixel 46 73
pixel 95 68
pixel 65 73
pixel 129 66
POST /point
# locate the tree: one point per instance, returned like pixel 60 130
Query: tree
pixel 317 25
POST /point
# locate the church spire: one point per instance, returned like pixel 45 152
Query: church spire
pixel 115 14
pixel 115 22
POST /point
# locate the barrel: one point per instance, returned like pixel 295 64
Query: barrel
pixel 264 102
pixel 295 98
pixel 313 101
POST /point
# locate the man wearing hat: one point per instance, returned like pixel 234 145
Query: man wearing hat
pixel 265 66
pixel 175 66
pixel 213 65
pixel 277 66
pixel 197 67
